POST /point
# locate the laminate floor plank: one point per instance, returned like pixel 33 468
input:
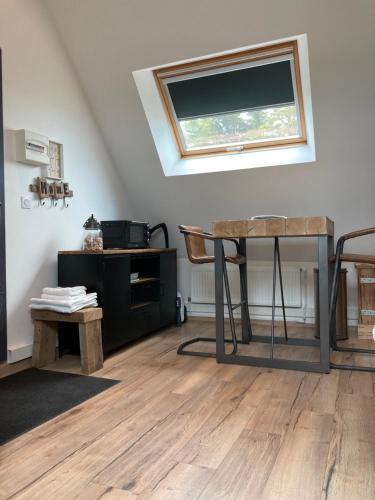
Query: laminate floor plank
pixel 351 460
pixel 183 482
pixel 68 437
pixel 245 470
pixel 182 427
pixel 156 453
pixel 305 445
pixel 212 441
pixel 92 457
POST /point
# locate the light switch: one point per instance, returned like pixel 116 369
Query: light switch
pixel 25 202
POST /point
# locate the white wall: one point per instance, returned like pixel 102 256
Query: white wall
pixel 41 93
pixel 120 37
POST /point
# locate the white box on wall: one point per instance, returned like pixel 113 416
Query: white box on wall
pixel 32 148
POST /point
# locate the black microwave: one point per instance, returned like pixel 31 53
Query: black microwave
pixel 125 234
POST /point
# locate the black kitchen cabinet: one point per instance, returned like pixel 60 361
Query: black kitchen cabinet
pixel 131 309
pixel 168 288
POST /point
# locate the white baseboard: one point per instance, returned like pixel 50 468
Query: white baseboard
pixel 17 353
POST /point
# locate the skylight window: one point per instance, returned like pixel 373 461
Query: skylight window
pixel 239 109
pixel 241 101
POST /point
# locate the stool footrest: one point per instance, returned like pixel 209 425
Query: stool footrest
pixel 181 348
pixel 238 305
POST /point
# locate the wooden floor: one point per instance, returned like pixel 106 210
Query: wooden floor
pixel 179 427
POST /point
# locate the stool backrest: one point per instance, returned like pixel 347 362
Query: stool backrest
pixel 195 246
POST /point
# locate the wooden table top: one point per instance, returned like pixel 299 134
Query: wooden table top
pixel 268 228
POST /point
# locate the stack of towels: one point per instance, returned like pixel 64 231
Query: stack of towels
pixel 65 300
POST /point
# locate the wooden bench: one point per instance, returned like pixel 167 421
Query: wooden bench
pixel 90 336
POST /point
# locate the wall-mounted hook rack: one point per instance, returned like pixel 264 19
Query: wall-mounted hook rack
pixel 53 190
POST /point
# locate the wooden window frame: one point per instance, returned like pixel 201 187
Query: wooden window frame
pixel 216 62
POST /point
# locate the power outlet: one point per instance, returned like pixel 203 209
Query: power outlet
pixel 25 202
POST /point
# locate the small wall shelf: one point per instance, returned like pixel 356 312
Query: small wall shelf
pixel 141 281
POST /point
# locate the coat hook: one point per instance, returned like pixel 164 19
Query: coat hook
pixel 55 191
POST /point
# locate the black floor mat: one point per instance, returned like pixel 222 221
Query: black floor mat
pixel 31 397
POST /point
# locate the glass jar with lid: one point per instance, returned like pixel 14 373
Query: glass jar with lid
pixel 93 236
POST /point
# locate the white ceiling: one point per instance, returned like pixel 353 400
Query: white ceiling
pixel 108 39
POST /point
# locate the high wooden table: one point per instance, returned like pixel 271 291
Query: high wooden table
pixel 321 228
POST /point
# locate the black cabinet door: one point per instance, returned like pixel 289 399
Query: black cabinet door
pixel 168 288
pixel 115 301
pixel 144 320
pixel 76 270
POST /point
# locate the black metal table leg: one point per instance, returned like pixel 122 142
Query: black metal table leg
pixel 325 250
pixel 219 299
pixel 273 300
pixel 230 308
pixel 335 281
pixel 277 246
pixel 245 316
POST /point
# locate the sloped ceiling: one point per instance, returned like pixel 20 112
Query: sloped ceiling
pixel 108 39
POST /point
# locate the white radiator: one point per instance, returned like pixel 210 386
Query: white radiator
pixel 259 282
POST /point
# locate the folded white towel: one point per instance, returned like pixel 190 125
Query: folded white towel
pixel 67 299
pixel 67 291
pixel 63 309
pixel 66 302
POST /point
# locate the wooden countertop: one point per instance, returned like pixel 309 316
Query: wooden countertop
pixel 134 251
pixel 268 228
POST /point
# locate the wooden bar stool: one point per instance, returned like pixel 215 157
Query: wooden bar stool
pixel 196 250
pixel 90 336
